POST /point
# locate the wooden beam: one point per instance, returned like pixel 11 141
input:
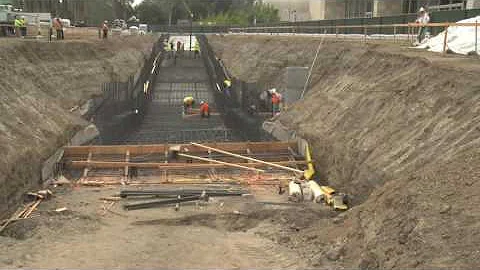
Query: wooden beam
pixel 161 148
pixel 165 166
pixel 249 158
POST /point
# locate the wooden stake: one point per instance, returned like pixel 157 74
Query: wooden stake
pixel 248 158
pixel 445 40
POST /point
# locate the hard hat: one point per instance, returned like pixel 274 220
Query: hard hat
pixel 422 9
pixel 105 21
pixel 23 17
pixel 201 102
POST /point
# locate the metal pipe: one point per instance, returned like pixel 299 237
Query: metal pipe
pixel 154 203
pixel 248 158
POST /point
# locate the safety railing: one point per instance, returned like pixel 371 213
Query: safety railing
pixel 396 32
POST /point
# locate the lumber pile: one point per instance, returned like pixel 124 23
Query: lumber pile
pixel 26 212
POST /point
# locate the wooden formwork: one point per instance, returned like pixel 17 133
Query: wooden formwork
pixel 152 164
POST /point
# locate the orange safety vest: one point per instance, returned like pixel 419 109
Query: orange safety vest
pixel 204 108
pixel 275 99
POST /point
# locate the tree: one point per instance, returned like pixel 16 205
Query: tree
pixel 236 12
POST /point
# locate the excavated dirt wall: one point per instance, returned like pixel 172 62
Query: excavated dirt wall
pixel 398 129
pixel 40 83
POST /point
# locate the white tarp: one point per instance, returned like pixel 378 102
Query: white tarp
pixel 460 39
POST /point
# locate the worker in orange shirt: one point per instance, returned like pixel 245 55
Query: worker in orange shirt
pixel 275 103
pixel 204 109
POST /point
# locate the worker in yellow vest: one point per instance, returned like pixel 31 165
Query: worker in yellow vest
pixel 196 50
pixel 227 83
pixel 18 24
pixel 188 103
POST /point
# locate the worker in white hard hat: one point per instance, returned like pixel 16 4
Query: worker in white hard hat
pixel 423 18
pixel 204 109
pixel 105 29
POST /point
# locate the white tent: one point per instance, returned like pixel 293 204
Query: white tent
pixel 460 39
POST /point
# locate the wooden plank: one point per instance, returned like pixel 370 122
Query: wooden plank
pixel 169 166
pixel 161 148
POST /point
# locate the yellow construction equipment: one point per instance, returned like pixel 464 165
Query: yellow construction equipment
pixel 337 201
pixel 310 171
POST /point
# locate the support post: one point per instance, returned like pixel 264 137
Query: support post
pixel 127 160
pixel 476 37
pixel 85 171
pixel 365 29
pixel 445 40
pixel 395 34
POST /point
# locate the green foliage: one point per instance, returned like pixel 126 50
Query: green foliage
pixel 231 12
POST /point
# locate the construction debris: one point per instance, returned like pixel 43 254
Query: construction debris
pixel 37 198
pixel 61 180
pixel 295 192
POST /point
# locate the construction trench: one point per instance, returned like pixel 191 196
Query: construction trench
pixel 138 129
pixel 226 165
pixel 394 128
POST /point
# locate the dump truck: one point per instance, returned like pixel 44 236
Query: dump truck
pixel 7 17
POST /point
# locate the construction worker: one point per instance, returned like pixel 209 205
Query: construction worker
pixel 188 103
pixel 58 26
pixel 23 27
pixel 179 46
pixel 18 26
pixel 105 29
pixel 423 18
pixel 196 50
pixel 227 83
pixel 275 103
pixel 204 109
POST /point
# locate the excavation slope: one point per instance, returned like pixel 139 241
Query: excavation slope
pixel 396 128
pixel 39 85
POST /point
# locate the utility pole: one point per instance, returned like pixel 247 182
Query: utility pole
pixel 191 31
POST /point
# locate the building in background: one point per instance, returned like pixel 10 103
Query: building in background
pixel 300 10
pixel 292 10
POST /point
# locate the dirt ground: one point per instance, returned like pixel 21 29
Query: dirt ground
pixel 223 233
pixel 41 82
pixel 397 129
